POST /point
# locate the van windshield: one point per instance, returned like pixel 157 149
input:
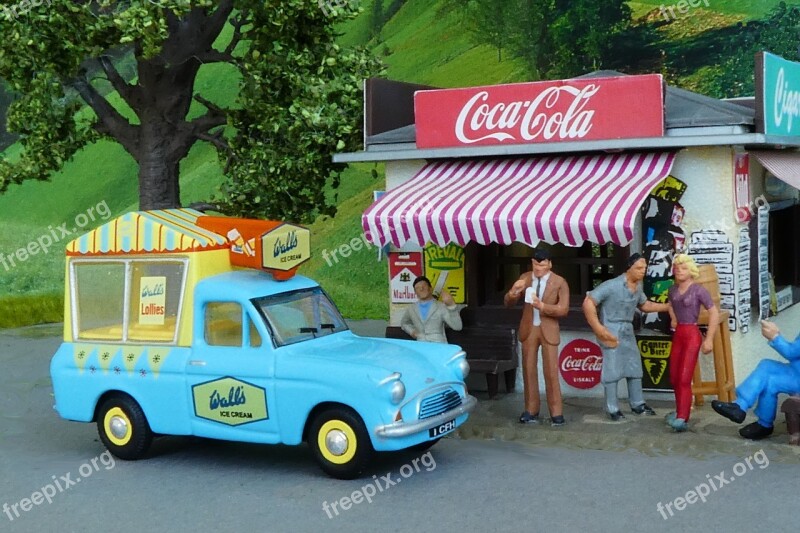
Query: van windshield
pixel 300 315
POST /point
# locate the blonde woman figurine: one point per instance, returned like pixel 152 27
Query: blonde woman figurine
pixel 685 298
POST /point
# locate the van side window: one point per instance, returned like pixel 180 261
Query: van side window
pixel 99 300
pixel 255 337
pixel 223 324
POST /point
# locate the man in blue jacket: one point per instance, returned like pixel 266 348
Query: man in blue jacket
pixel 769 379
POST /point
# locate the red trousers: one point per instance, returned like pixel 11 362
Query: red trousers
pixel 682 359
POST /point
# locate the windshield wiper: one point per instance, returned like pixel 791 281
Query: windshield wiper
pixel 308 330
pixel 329 326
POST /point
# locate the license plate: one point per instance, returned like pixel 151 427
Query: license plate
pixel 441 429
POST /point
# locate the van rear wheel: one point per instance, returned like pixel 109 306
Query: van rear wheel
pixel 123 428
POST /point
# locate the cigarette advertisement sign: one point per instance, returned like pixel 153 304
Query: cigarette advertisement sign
pixel 404 267
pixel 445 268
pixel 777 95
pixel 620 107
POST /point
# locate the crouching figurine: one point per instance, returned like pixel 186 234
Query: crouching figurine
pixel 769 379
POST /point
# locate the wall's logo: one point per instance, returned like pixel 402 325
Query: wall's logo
pixel 230 401
pixel 153 300
pixel 285 247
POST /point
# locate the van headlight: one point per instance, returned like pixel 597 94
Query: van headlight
pixel 463 365
pixel 459 361
pixel 398 392
pixel 397 389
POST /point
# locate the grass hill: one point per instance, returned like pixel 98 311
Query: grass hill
pixel 420 42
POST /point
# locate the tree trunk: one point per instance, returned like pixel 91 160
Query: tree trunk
pixel 159 187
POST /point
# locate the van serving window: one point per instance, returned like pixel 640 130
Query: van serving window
pixel 127 300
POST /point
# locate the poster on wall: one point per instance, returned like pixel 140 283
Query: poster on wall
pixel 153 300
pixel 712 247
pixel 743 279
pixel 741 187
pixel 404 267
pixel 655 361
pixel 445 268
pixel 663 236
pixel 581 363
pixel 763 262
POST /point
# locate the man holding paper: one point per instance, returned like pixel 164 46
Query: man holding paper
pixel 546 297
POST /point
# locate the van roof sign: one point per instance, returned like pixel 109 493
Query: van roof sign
pixel 273 246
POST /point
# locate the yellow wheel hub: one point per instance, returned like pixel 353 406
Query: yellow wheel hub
pixel 118 427
pixel 337 441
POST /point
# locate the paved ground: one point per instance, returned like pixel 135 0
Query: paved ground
pixel 494 473
pixel 588 428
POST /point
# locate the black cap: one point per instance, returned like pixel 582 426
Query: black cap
pixel 541 254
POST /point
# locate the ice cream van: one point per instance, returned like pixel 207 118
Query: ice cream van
pixel 179 323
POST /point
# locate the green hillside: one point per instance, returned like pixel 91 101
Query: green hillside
pixel 420 43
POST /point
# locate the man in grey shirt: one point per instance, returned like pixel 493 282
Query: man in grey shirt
pixel 618 299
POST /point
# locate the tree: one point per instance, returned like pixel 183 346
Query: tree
pixel 554 38
pixel 6 139
pixel 778 32
pixel 488 20
pixel 299 96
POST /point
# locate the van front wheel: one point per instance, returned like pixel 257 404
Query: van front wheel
pixel 123 428
pixel 340 443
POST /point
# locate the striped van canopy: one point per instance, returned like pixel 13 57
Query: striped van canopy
pixel 168 230
pixel 557 199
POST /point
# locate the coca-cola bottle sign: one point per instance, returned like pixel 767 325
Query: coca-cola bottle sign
pixel 581 363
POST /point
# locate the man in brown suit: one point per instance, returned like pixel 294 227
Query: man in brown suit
pixel 546 301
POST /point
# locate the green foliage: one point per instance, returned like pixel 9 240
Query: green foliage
pixel 18 311
pixel 301 101
pixel 356 283
pixel 778 32
pixel 554 38
pixel 299 94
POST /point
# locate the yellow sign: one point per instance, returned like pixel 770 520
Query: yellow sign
pixel 285 247
pixel 153 300
pixel 655 355
pixel 230 401
pixel 445 268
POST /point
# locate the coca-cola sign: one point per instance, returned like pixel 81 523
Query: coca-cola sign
pixel 537 112
pixel 581 362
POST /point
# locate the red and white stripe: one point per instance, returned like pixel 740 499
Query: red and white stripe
pixel 558 199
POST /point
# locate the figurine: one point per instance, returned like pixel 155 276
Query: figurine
pixel 425 320
pixel 618 299
pixel 769 379
pixel 546 301
pixel 685 299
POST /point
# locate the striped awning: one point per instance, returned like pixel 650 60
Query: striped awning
pixel 783 164
pixel 167 230
pixel 561 199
